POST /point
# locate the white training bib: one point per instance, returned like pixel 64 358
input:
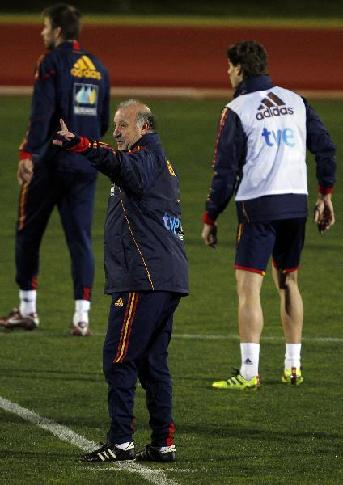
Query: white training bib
pixel 274 122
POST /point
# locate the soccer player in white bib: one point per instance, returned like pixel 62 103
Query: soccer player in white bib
pixel 260 156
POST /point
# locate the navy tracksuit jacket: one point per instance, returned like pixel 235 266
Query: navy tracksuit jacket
pixel 71 84
pixel 146 273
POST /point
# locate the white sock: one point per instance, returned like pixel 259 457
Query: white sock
pixel 166 449
pixel 82 308
pixel 250 354
pixel 27 302
pixel 292 357
pixel 125 446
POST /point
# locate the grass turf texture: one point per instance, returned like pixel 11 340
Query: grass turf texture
pixel 279 434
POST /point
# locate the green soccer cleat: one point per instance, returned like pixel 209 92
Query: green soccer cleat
pixel 292 376
pixel 237 382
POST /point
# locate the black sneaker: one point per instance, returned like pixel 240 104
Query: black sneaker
pixel 110 452
pixel 16 320
pixel 154 453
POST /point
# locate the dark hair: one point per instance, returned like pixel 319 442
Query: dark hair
pixel 65 16
pixel 251 56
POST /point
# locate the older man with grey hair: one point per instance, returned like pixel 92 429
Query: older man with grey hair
pixel 146 274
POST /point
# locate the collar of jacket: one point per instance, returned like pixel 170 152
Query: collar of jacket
pixel 254 83
pixel 69 44
pixel 146 140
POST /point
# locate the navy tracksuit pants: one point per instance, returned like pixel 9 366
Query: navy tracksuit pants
pixel 73 194
pixel 139 331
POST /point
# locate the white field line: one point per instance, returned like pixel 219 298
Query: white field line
pixel 66 434
pixel 194 336
pixel 174 470
pixel 170 92
pixel 270 338
pixel 186 336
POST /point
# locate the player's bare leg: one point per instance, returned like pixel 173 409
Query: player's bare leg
pixel 291 305
pixel 292 316
pixel 250 316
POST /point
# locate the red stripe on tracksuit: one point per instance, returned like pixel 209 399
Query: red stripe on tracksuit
pixel 171 432
pixel 86 294
pixel 125 333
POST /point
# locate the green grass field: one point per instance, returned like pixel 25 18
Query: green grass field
pixel 229 20
pixel 278 435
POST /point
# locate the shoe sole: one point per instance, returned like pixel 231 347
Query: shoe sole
pixel 95 462
pixel 236 388
pixel 29 326
pixel 293 382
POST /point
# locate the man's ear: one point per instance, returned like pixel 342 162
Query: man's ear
pixel 59 35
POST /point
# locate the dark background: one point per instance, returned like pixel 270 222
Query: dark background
pixel 228 8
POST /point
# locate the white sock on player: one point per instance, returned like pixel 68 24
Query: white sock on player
pixel 82 308
pixel 27 302
pixel 292 357
pixel 250 354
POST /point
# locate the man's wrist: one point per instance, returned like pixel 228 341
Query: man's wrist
pixel 82 145
pixel 325 192
pixel 23 155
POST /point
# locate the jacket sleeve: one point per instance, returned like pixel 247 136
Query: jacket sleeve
pixel 104 116
pixel 134 170
pixel 322 147
pixel 229 155
pixel 43 106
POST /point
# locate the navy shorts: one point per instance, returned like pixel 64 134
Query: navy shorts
pixel 282 239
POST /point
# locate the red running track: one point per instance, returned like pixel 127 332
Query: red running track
pixel 180 56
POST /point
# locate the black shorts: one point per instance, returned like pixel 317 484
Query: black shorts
pixel 257 241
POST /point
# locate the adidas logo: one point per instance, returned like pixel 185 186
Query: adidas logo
pixel 272 105
pixel 85 68
pixel 119 302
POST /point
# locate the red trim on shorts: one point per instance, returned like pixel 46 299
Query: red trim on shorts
pixel 251 270
pixel 34 282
